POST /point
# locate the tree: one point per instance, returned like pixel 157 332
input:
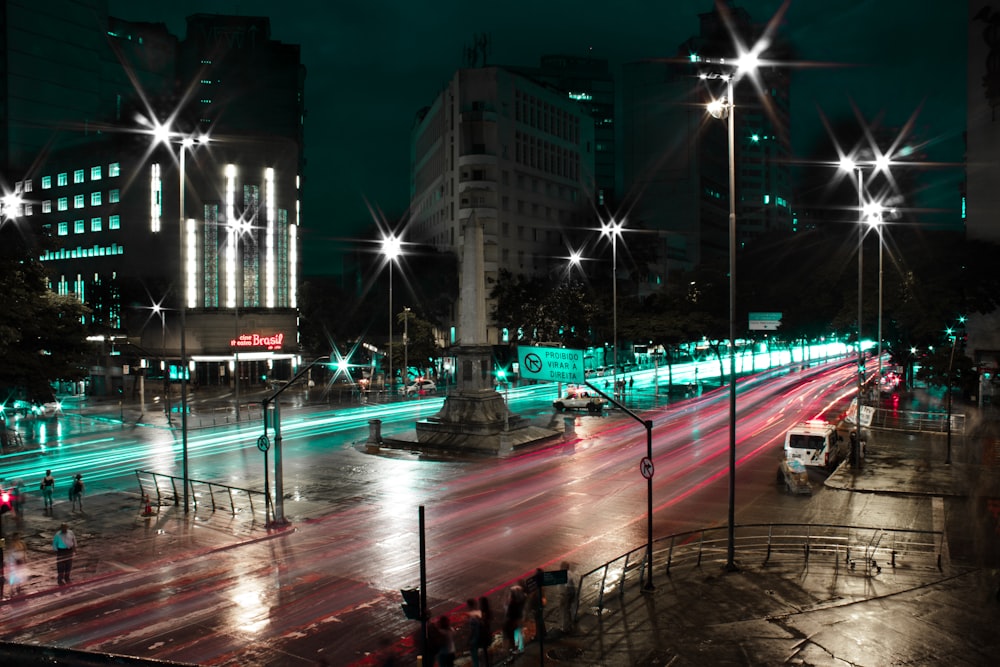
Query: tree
pixel 42 335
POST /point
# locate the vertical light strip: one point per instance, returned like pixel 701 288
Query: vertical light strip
pixel 155 197
pixel 293 262
pixel 231 240
pixel 270 288
pixel 192 263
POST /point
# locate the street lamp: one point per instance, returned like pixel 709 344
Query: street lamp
pixel 10 205
pixel 726 109
pixel 406 343
pixel 392 249
pixel 189 267
pixel 614 229
pixel 873 213
pixel 849 165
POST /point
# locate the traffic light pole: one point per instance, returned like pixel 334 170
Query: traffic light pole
pixel 647 472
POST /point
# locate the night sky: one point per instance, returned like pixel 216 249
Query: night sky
pixel 371 65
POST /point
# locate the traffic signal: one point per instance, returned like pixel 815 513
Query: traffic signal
pixel 411 603
pixel 5 502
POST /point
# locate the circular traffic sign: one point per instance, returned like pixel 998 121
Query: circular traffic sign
pixel 646 467
pixel 533 362
pixel 263 444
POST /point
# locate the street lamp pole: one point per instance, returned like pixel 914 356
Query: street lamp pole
pixel 731 122
pixel 613 229
pixel 406 343
pixel 186 143
pixel 391 249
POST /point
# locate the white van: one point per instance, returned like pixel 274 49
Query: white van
pixel 814 443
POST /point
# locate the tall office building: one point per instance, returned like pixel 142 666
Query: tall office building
pixel 105 201
pixel 589 82
pixel 676 157
pixel 516 155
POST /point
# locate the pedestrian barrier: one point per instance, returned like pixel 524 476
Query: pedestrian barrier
pixel 922 422
pixel 767 544
pixel 164 487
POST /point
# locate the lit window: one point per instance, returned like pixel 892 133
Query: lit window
pixel 113 196
pixel 206 82
pixel 47 206
pixel 95 224
pixel 114 222
pixel 95 173
pixel 114 169
pixel 46 182
pixel 27 185
pixel 95 198
pixel 61 179
pixel 205 101
pixel 63 228
pixel 78 201
pixel 62 204
pixel 78 227
pixel 78 176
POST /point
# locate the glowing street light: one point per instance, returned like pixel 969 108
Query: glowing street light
pixel 613 230
pixel 725 109
pixel 392 248
pixel 189 267
pixel 881 162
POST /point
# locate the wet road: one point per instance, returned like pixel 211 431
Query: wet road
pixel 329 588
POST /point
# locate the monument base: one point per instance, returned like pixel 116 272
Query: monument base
pixel 477 421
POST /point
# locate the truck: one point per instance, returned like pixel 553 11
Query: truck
pixel 815 442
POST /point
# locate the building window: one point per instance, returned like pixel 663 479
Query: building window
pixel 95 173
pixel 61 179
pixel 47 206
pixel 78 201
pixel 46 182
pixel 62 203
pixel 95 198
pixel 114 222
pixel 114 169
pixel 78 227
pixel 113 196
pixel 95 224
pixel 63 228
pixel 78 176
pixel 27 185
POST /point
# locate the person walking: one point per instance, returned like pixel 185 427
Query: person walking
pixel 486 629
pixel 446 656
pixel 48 486
pixel 64 544
pixel 475 629
pixel 15 557
pixel 76 492
pixel 513 617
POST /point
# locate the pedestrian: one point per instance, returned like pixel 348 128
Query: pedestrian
pixel 76 492
pixel 64 544
pixel 48 485
pixel 475 629
pixel 567 596
pixel 446 655
pixel 15 557
pixel 513 616
pixel 486 631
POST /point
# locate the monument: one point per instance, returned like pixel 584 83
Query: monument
pixel 475 416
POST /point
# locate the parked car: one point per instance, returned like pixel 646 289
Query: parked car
pixel 576 399
pixel 420 387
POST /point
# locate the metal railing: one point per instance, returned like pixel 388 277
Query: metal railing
pixel 165 489
pixel 923 422
pixel 839 545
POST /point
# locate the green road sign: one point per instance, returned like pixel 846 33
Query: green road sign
pixel 556 364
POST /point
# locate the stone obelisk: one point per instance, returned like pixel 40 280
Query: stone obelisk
pixel 475 414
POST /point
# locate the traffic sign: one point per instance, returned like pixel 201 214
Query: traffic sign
pixel 556 364
pixel 765 321
pixel 263 444
pixel 646 467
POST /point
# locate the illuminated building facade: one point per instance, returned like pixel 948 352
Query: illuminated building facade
pixel 103 202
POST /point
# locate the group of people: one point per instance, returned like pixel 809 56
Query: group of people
pixel 14 551
pixel 521 601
